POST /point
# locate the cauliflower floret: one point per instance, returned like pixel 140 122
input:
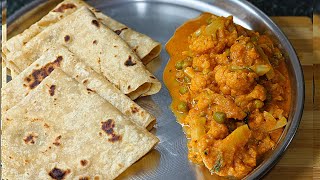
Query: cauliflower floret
pixel 238 82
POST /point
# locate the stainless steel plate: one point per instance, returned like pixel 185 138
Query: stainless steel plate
pixel 159 19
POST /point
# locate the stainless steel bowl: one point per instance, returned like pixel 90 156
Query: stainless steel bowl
pixel 159 19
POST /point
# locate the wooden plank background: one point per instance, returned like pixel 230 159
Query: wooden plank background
pixel 302 158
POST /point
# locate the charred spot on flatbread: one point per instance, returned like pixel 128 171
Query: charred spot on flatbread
pixel 84 162
pixel 37 75
pixel 96 10
pixel 135 49
pixel 95 42
pixel 66 38
pixel 129 62
pixel 107 127
pixel 96 23
pixel 134 109
pixel 52 89
pixel 90 90
pixel 57 141
pixel 114 138
pixel 64 7
pixel 30 138
pixel 84 178
pixel 119 31
pixel 46 125
pixel 152 77
pixel 58 174
pixel 85 81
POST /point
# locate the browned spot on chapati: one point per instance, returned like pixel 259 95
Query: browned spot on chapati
pixel 96 23
pixel 90 90
pixel 46 125
pixel 152 77
pixel 35 119
pixel 36 77
pixel 129 87
pixel 52 89
pixel 64 7
pixel 85 81
pixel 115 46
pixel 134 109
pixel 58 174
pixel 37 65
pixel 57 141
pixel 84 162
pixel 96 178
pixel 96 10
pixel 84 178
pixel 30 138
pixel 107 127
pixel 135 49
pixel 129 62
pixel 95 42
pixel 114 138
pixel 66 38
pixel 119 31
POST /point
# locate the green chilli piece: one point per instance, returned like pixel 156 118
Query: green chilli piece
pixel 236 68
pixel 183 107
pixel 217 166
pixel 254 38
pixel 220 117
pixel 258 103
pixel 227 51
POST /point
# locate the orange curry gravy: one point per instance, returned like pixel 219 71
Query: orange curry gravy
pixel 231 92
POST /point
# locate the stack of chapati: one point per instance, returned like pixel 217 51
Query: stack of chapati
pixel 68 112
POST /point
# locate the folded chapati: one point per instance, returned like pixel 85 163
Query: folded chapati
pixel 97 46
pixel 63 131
pixel 145 47
pixel 30 78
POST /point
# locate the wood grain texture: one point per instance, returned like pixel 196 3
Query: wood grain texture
pixel 302 158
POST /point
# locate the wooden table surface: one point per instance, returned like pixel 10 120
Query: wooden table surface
pixel 302 158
